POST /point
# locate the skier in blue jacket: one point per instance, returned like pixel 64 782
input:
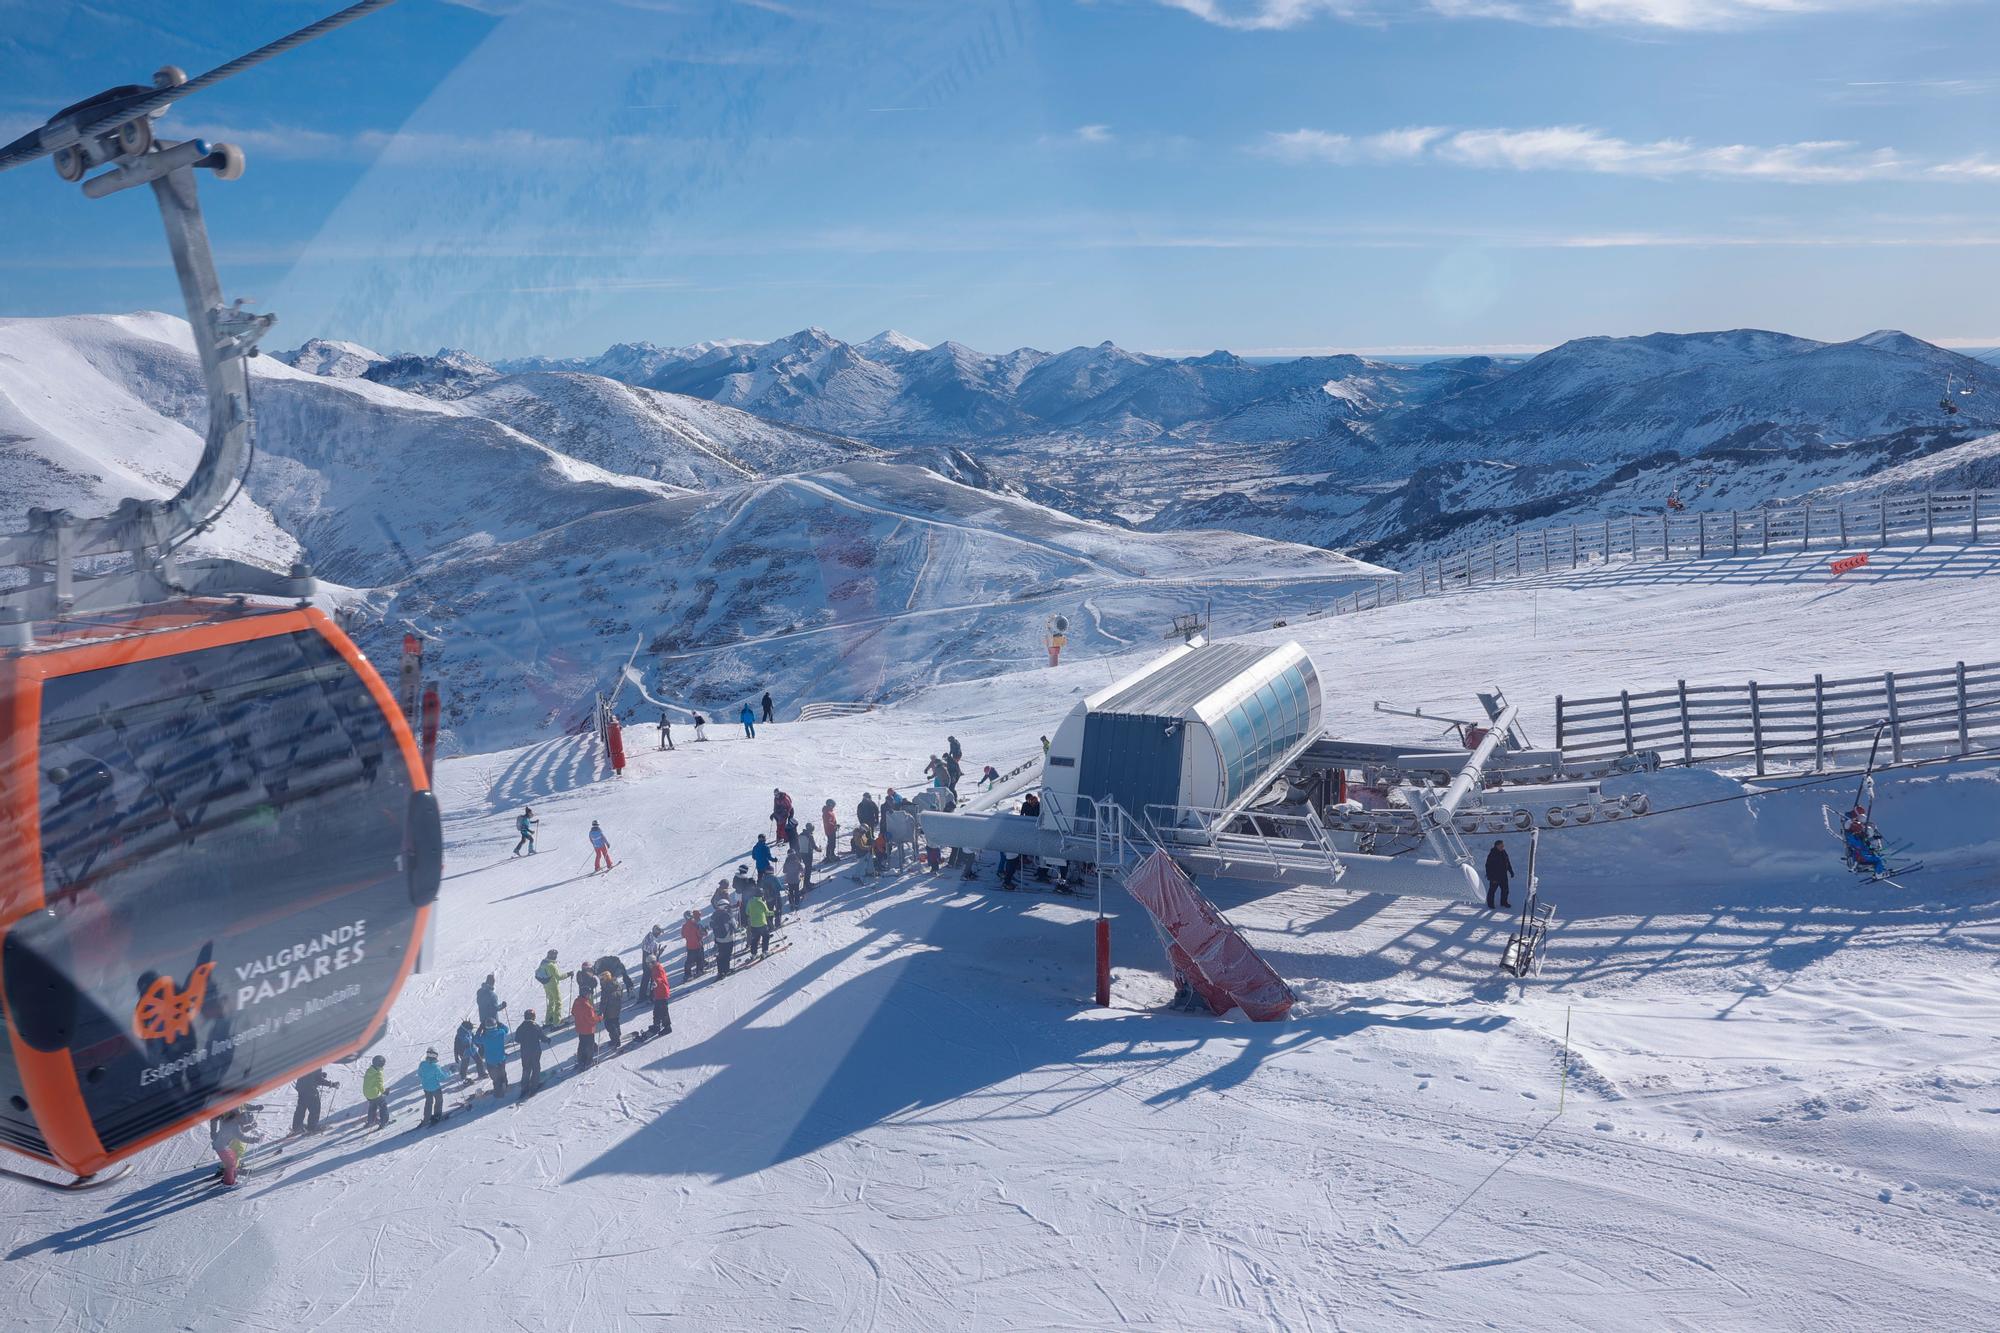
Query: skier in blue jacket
pixel 749 719
pixel 761 854
pixel 431 1075
pixel 493 1045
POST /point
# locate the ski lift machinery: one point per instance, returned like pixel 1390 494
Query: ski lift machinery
pixel 218 843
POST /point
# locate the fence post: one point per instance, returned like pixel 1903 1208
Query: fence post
pixel 1607 541
pixel 1843 525
pixel 1687 729
pixel 1930 525
pixel 1764 528
pixel 1964 730
pixel 1805 531
pixel 1572 542
pixel 1559 725
pixel 1882 504
pixel 1757 728
pixel 1974 539
pixel 1625 707
pixel 1819 723
pixel 1517 555
pixel 1735 532
pixel 1895 718
pixel 1701 546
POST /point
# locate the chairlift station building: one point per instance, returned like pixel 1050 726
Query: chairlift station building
pixel 1205 728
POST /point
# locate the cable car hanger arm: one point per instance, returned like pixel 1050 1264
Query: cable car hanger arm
pixel 119 134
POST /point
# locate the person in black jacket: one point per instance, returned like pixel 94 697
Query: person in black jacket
pixel 489 1003
pixel 722 929
pixel 305 1115
pixel 1499 869
pixel 610 1005
pixel 767 706
pixel 530 1038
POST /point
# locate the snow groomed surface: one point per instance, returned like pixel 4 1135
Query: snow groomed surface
pixel 1780 1106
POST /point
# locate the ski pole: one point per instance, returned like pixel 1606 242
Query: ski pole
pixel 1562 1095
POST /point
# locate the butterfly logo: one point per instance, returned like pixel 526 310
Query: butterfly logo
pixel 165 1012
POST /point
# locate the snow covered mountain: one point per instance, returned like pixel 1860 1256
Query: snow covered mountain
pixel 1611 400
pixel 452 373
pixel 540 524
pixel 332 358
pixel 892 389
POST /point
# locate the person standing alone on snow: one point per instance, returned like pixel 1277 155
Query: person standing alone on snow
pixel 524 824
pixel 1499 869
pixel 699 723
pixel 767 706
pixel 601 849
pixel 666 733
pixel 748 717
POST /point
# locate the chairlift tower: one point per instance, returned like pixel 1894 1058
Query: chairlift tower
pixel 1190 625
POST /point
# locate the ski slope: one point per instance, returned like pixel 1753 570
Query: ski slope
pixel 1781 1108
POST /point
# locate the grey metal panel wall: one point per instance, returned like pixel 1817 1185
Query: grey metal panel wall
pixel 1131 758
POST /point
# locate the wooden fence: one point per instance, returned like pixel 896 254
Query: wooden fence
pixel 1922 714
pixel 1921 519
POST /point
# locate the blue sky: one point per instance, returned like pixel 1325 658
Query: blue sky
pixel 1264 175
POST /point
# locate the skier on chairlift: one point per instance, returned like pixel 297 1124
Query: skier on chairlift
pixel 1864 843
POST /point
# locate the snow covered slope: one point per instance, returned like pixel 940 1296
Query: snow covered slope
pixel 860 582
pixel 541 523
pixel 645 433
pixel 1779 1110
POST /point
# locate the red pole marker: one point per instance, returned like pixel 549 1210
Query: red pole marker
pixel 1103 963
pixel 430 732
pixel 614 741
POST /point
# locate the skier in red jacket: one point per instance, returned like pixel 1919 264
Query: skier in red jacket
pixel 661 990
pixel 584 1014
pixel 696 940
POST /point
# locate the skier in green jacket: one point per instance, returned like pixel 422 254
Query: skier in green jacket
pixel 550 974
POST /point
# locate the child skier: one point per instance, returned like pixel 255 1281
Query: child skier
pixel 431 1075
pixel 231 1135
pixel 375 1092
pixel 524 824
pixel 601 849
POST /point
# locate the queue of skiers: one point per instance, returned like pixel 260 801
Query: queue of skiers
pixel 748 908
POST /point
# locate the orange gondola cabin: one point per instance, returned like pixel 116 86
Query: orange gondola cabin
pixel 218 851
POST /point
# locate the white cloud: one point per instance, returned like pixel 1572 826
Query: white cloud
pixel 1083 136
pixel 1578 148
pixel 1266 15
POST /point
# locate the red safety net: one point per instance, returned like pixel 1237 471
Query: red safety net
pixel 1217 961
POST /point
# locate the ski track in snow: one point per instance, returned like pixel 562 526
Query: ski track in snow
pixel 1782 1106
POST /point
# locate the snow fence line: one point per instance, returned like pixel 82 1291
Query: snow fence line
pixel 1919 519
pixel 1940 712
